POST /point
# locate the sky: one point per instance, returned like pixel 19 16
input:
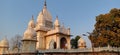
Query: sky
pixel 79 15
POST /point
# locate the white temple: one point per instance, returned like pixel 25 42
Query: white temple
pixel 42 34
pixel 4 46
pixel 45 35
pixel 51 34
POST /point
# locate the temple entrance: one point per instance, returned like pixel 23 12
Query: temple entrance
pixel 63 43
pixel 52 45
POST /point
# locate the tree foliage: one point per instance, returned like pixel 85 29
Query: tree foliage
pixel 107 29
pixel 74 42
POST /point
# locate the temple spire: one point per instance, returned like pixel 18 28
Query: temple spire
pixel 31 23
pixel 56 17
pixel 57 24
pixel 45 3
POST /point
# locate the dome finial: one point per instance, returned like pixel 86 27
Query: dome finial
pixel 45 3
pixel 32 17
pixel 31 23
pixel 57 17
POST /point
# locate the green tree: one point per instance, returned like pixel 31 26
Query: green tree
pixel 107 29
pixel 74 42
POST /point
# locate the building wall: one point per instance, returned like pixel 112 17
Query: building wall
pixel 83 53
pixel 56 38
pixel 28 54
pixel 69 52
pixel 3 50
pixel 67 38
pixel 40 40
pixel 29 46
pixel 21 54
pixel 49 39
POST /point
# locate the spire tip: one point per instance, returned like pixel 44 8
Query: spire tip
pixel 45 3
pixel 57 16
pixel 32 17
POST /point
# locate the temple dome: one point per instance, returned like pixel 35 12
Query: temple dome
pixel 4 43
pixel 44 15
pixel 29 34
pixel 81 43
pixel 31 23
pixel 81 40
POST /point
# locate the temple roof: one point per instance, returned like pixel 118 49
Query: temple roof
pixel 4 43
pixel 44 14
pixel 57 22
pixel 81 40
pixel 30 33
pixel 31 23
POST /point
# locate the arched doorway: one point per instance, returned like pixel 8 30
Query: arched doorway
pixel 52 45
pixel 63 43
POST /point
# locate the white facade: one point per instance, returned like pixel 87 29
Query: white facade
pixel 49 32
pixel 29 39
pixel 4 46
pixel 41 35
pixel 81 43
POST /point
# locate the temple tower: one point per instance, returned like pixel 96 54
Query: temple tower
pixel 29 39
pixel 49 35
pixel 44 24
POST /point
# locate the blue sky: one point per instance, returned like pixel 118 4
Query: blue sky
pixel 79 15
